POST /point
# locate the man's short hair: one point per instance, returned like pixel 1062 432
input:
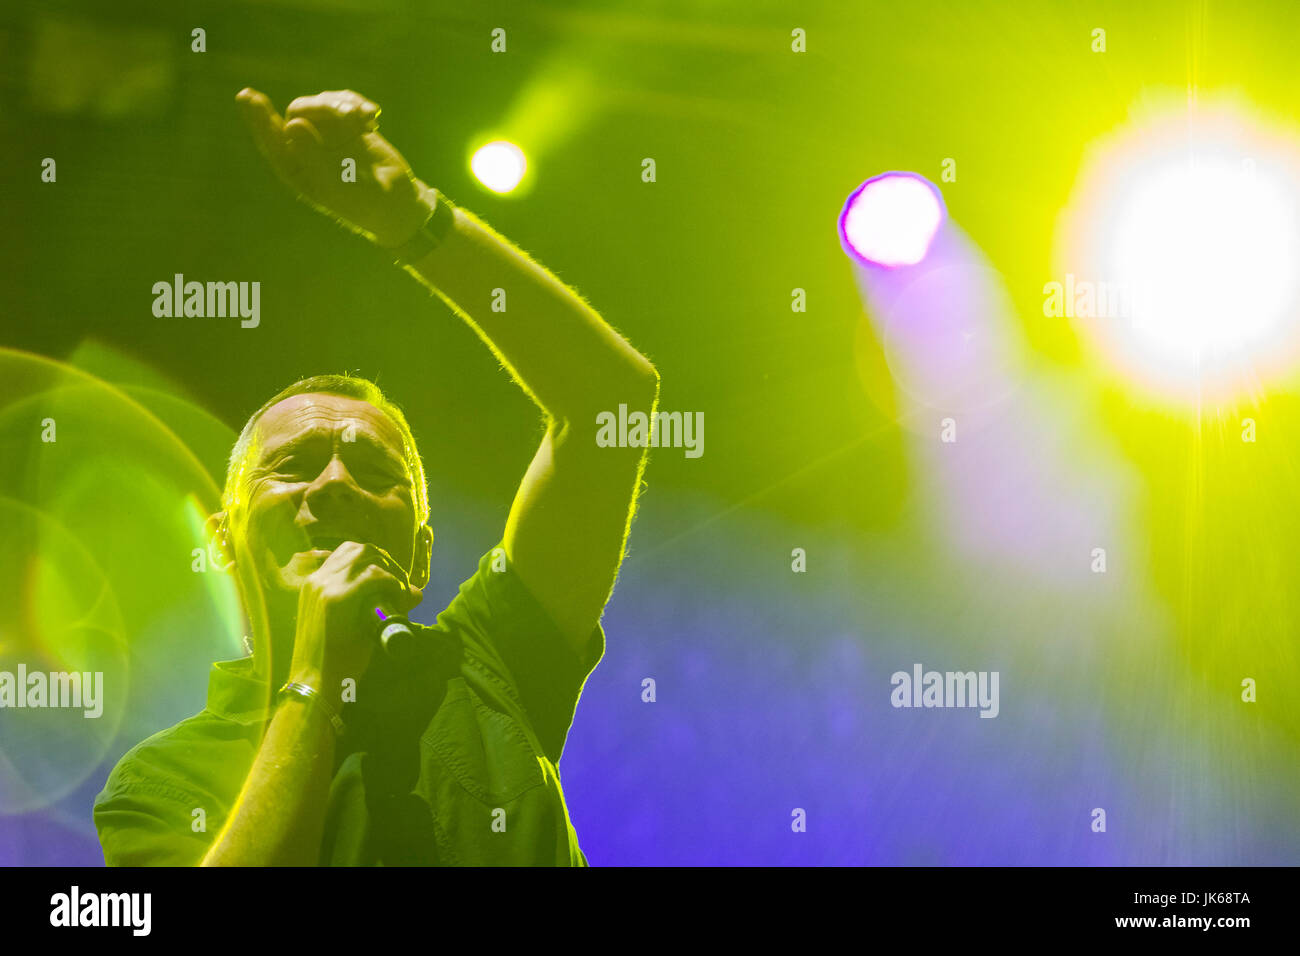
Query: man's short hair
pixel 348 386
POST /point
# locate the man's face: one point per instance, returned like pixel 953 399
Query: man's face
pixel 324 469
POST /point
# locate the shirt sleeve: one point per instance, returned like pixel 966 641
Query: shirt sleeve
pixel 511 640
pixel 146 819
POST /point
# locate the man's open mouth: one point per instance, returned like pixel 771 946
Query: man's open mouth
pixel 325 542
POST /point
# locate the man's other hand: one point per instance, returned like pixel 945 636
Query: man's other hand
pixel 307 148
pixel 336 627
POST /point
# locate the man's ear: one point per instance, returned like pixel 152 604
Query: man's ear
pixel 217 529
pixel 421 562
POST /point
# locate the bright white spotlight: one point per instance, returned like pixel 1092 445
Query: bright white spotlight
pixel 499 165
pixel 891 219
pixel 1208 251
pixel 1179 252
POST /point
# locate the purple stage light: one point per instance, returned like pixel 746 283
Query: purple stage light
pixel 891 219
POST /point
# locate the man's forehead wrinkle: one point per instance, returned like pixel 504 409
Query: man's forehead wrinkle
pixel 326 433
pixel 335 406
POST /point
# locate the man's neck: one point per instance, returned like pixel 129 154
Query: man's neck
pixel 273 655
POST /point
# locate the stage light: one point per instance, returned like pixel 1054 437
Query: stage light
pixel 1207 250
pixel 499 165
pixel 1178 262
pixel 891 219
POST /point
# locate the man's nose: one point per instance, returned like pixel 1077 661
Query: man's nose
pixel 334 481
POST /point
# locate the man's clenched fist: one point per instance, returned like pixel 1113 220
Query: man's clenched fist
pixel 307 147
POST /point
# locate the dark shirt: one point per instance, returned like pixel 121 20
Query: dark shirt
pixel 450 762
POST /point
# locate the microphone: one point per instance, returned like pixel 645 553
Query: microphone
pixel 396 636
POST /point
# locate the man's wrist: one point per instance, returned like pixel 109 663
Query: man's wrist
pixel 309 695
pixel 433 232
pixel 412 219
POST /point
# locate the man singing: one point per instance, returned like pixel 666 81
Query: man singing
pixel 320 748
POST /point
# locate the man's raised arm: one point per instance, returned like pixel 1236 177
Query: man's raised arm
pixel 568 525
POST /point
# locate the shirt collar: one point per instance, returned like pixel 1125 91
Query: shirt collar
pixel 234 693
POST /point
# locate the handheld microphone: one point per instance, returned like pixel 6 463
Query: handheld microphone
pixel 396 636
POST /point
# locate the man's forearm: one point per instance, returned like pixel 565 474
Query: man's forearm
pixel 559 349
pixel 279 817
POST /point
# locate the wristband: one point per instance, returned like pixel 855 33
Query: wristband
pixel 430 235
pixel 296 689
